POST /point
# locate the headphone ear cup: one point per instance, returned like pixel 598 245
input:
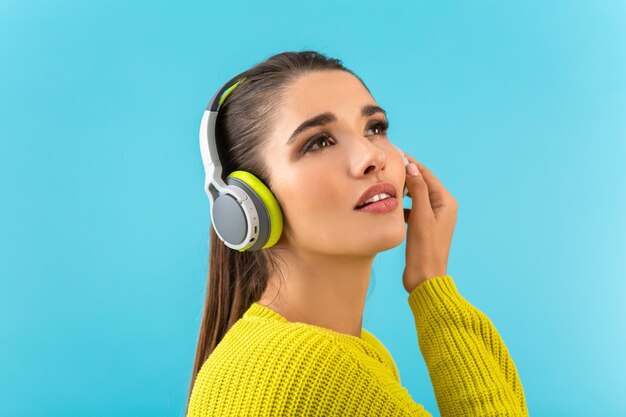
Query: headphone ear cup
pixel 268 209
pixel 229 219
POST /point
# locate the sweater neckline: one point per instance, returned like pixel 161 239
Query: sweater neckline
pixel 263 312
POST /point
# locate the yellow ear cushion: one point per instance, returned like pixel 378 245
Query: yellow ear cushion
pixel 275 213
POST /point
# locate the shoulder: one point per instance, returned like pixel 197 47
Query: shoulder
pixel 271 366
pixel 254 347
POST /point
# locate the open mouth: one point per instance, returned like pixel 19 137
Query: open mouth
pixel 374 200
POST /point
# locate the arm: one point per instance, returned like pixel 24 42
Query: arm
pixel 469 365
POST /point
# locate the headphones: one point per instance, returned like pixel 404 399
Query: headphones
pixel 244 212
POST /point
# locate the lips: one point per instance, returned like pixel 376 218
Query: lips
pixel 381 187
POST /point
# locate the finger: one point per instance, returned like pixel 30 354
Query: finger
pixel 438 193
pixel 419 193
pixel 434 184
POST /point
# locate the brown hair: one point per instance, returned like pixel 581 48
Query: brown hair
pixel 237 279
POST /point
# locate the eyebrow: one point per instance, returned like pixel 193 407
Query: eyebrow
pixel 325 118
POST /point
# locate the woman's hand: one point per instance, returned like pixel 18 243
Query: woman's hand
pixel 431 220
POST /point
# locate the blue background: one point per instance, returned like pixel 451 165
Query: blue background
pixel 518 107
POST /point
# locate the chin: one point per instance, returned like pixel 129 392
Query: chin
pixel 381 241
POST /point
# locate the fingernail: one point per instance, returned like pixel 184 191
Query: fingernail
pixel 412 169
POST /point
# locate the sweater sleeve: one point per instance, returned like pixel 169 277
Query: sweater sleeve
pixel 469 365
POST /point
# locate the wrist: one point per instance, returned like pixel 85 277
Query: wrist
pixel 412 281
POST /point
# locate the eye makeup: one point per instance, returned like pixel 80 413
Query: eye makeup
pixel 381 124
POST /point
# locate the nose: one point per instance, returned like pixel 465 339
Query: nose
pixel 370 157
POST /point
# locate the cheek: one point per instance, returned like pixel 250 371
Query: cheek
pixel 325 182
pixel 317 196
pixel 325 194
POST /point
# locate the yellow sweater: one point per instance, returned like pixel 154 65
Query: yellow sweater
pixel 268 366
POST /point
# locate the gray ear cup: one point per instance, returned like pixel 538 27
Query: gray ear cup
pixel 230 218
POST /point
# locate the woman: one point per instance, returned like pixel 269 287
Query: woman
pixel 281 331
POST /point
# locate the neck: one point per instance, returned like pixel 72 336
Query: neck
pixel 322 290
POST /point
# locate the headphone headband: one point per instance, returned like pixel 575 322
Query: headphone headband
pixel 244 212
pixel 208 142
pixel 227 88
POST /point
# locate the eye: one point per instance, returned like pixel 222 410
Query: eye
pixel 309 145
pixel 380 124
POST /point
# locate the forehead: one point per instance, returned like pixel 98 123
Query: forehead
pixel 321 91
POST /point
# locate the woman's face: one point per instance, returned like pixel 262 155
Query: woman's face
pixel 319 188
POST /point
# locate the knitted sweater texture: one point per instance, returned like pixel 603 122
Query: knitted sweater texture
pixel 266 365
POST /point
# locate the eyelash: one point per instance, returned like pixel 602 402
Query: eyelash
pixel 382 124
